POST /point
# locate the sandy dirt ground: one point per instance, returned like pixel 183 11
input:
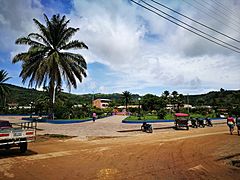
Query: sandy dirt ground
pixel 203 153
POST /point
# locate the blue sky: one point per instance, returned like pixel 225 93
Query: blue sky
pixel 132 49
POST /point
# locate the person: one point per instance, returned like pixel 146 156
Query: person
pixel 231 124
pixel 94 116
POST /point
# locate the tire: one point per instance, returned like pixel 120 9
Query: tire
pixel 150 130
pixel 23 147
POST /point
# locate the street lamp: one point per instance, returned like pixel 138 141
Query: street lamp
pixel 139 99
pixel 31 104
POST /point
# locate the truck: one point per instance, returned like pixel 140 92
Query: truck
pixel 17 134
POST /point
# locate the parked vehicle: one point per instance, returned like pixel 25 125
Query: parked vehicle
pixel 194 123
pixel 208 122
pixel 146 127
pixel 181 120
pixel 17 135
pixel 200 122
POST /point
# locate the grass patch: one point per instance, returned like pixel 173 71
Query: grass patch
pixel 149 117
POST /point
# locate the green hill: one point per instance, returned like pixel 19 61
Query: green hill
pixel 223 98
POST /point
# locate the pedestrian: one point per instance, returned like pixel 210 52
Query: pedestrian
pixel 230 123
pixel 94 116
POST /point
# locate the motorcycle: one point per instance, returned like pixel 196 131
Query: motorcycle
pixel 200 122
pixel 147 128
pixel 194 123
pixel 209 122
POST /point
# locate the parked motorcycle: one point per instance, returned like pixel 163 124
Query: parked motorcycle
pixel 194 123
pixel 209 122
pixel 200 122
pixel 147 128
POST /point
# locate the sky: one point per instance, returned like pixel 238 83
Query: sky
pixel 132 49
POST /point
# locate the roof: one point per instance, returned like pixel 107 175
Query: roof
pixel 181 114
pixel 103 99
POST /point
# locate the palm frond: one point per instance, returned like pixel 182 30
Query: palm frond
pixel 39 37
pixel 74 45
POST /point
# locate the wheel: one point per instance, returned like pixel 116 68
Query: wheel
pixel 150 130
pixel 23 147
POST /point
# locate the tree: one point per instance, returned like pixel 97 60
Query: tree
pixel 4 90
pixel 165 96
pixel 127 97
pixel 177 100
pixel 166 93
pixel 47 60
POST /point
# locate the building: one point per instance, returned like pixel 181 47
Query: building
pixel 101 103
pixel 12 106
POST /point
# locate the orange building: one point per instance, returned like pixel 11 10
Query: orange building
pixel 101 103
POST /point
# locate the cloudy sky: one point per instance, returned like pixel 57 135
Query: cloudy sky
pixel 131 48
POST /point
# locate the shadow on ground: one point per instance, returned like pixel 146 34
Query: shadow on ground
pixel 136 130
pixel 15 153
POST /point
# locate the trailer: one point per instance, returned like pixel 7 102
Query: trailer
pixel 17 134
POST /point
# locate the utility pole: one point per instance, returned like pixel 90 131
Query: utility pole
pixel 188 102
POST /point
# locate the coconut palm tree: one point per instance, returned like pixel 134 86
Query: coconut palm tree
pixel 4 90
pixel 127 96
pixel 47 61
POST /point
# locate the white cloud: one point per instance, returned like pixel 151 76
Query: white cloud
pixel 142 49
pixel 16 20
pixel 117 33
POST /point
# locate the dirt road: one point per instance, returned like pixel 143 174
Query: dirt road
pixel 203 153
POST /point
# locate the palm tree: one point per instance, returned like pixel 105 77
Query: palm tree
pixel 47 60
pixel 4 90
pixel 127 96
pixel 165 96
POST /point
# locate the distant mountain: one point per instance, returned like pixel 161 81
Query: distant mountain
pixel 24 96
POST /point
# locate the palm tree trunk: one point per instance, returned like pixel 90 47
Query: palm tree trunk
pixel 126 105
pixel 52 95
pixel 53 101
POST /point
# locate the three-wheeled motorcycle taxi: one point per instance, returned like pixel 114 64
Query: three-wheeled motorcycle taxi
pixel 181 120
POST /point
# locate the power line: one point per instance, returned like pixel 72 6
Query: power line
pixel 184 27
pixel 190 25
pixel 224 13
pixel 200 10
pixel 226 9
pixel 196 21
pixel 216 13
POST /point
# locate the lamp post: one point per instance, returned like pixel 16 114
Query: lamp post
pixel 31 104
pixel 139 99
